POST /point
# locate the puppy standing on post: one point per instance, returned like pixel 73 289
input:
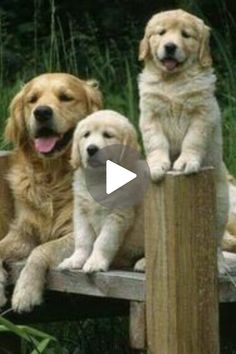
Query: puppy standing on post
pixel 180 118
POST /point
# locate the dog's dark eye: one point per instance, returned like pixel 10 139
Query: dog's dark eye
pixel 65 98
pixel 33 99
pixel 162 32
pixel 86 135
pixel 107 135
pixel 185 34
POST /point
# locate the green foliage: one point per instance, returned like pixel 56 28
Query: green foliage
pixel 34 341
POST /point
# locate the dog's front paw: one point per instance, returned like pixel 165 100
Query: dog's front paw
pixel 25 298
pixel 187 164
pixel 140 265
pixel 159 169
pixel 77 260
pixel 96 263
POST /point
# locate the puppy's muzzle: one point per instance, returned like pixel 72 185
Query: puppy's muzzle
pixel 170 49
pixel 43 114
pixel 92 150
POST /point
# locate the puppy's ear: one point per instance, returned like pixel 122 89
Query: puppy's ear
pixel 94 95
pixel 205 58
pixel 131 138
pixel 75 160
pixel 144 48
pixel 15 130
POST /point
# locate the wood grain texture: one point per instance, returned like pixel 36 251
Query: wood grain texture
pixel 108 284
pixel 181 270
pixel 6 201
pixel 137 327
pixel 114 284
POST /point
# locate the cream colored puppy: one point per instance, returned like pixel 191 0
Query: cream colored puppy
pixel 180 119
pixel 103 237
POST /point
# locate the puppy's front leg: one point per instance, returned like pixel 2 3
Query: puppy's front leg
pixel 195 145
pixel 156 146
pixel 84 238
pixel 109 241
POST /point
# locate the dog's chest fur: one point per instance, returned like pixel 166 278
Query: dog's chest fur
pixel 93 211
pixel 45 197
pixel 174 103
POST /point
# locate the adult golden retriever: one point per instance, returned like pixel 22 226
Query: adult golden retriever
pixel 103 236
pixel 43 116
pixel 180 118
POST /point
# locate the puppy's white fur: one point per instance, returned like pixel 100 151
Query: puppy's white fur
pixel 103 237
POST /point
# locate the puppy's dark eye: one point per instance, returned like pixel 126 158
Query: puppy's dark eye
pixel 86 135
pixel 185 34
pixel 162 32
pixel 33 99
pixel 65 98
pixel 107 135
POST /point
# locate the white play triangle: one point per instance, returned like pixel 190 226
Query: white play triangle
pixel 117 176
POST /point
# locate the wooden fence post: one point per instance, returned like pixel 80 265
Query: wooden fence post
pixel 181 270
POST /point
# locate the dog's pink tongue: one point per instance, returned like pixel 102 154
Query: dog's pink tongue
pixel 45 144
pixel 170 64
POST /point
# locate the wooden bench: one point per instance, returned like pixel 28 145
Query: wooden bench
pixel 174 307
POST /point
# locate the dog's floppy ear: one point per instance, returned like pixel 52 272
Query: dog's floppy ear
pixel 144 48
pixel 15 129
pixel 205 58
pixel 75 160
pixel 131 138
pixel 94 95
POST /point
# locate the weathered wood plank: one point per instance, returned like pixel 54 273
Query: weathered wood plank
pixel 181 269
pixel 114 284
pixel 137 325
pixel 117 284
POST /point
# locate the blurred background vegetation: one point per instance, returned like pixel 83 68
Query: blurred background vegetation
pixel 99 39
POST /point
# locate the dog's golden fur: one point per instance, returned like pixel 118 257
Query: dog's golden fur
pixel 41 183
pixel 103 237
pixel 180 118
pixel 229 240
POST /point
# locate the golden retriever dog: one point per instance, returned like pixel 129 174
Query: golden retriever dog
pixel 103 236
pixel 180 119
pixel 43 116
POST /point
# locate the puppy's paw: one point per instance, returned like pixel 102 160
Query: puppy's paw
pixel 25 298
pixel 223 267
pixel 96 263
pixel 187 164
pixel 140 265
pixel 159 169
pixel 77 261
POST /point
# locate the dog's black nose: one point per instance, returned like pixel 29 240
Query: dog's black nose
pixel 43 113
pixel 170 48
pixel 92 149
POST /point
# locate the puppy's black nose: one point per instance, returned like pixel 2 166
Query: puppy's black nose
pixel 92 149
pixel 170 48
pixel 43 113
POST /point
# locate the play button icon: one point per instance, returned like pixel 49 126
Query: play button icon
pixel 117 176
